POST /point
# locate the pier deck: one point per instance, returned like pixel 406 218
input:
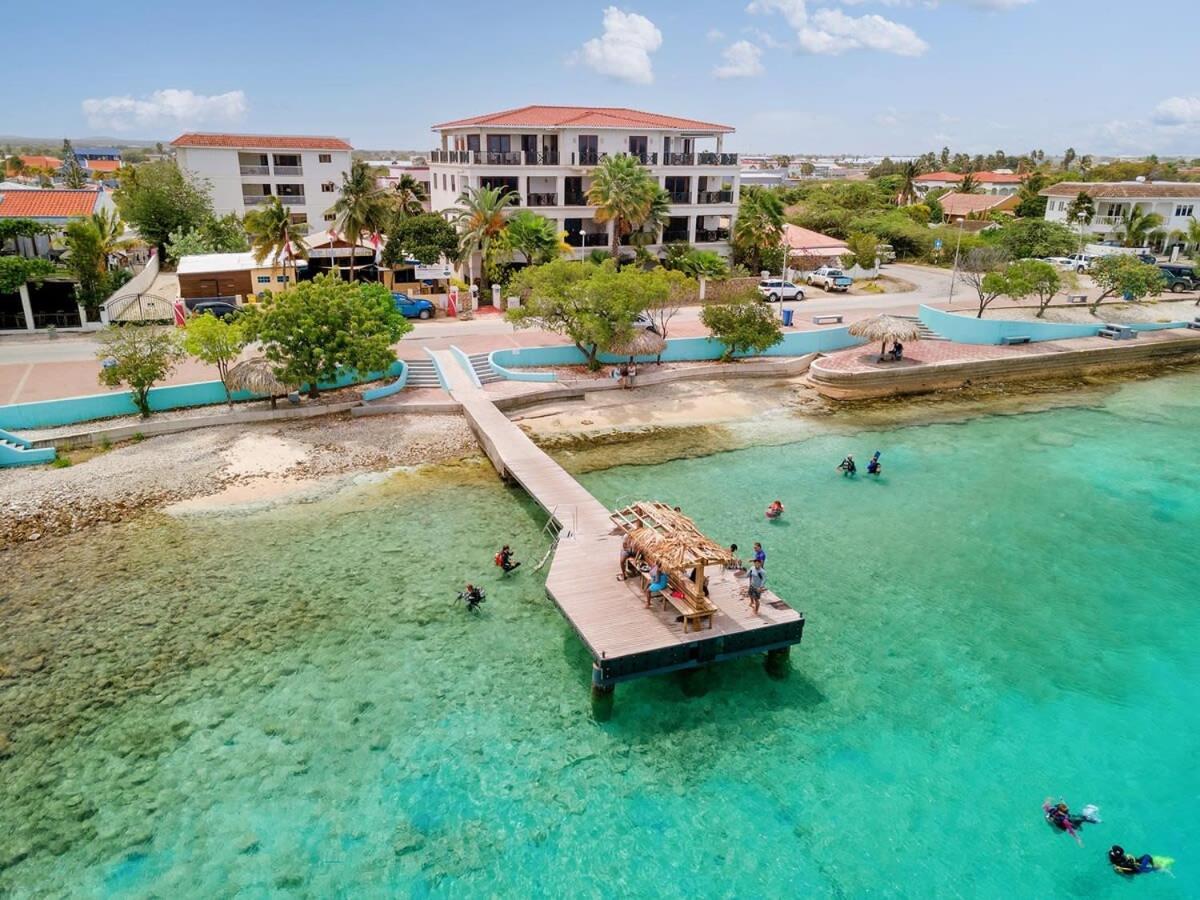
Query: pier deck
pixel 626 639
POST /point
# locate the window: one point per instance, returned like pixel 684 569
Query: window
pixel 444 182
pixel 299 218
pixel 282 279
pixel 325 157
pixel 1183 210
pixel 328 187
pixel 499 143
pixel 473 142
pixel 329 217
pixel 638 145
pixel 589 148
pixel 264 279
pixel 452 187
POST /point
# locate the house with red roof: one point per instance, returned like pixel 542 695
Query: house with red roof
pixel 52 206
pixel 244 171
pixel 998 182
pixel 957 206
pixel 547 155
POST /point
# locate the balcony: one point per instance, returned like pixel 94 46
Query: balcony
pixel 255 170
pixel 292 200
pixel 700 159
pixel 289 170
pixel 596 239
pixel 646 159
pixel 1102 222
pixel 676 237
pixel 680 196
pixel 711 235
pixel 255 199
pixel 716 197
pixel 542 199
pixel 548 158
pixel 587 158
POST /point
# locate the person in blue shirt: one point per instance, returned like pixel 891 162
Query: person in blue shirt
pixel 760 555
pixel 757 581
pixel 874 466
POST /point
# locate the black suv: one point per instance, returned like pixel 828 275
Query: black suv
pixel 1180 278
pixel 222 309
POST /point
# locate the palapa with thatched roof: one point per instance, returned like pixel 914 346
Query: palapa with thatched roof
pixel 258 377
pixel 884 329
pixel 643 342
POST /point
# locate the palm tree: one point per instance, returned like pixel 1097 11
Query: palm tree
pixel 481 222
pixel 110 228
pixel 1082 208
pixel 408 195
pixel 360 208
pixel 1136 225
pixel 535 237
pixel 273 233
pixel 15 165
pixel 1193 236
pixel 969 184
pixel 758 228
pixel 625 194
pixel 909 173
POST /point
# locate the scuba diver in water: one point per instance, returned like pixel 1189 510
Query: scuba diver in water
pixel 472 596
pixel 874 466
pixel 1060 816
pixel 1124 864
pixel 504 559
pixel 847 466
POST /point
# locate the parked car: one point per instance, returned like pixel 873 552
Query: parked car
pixel 1081 262
pixel 1148 258
pixel 830 279
pixel 884 253
pixel 220 308
pixel 412 307
pixel 645 322
pixel 774 289
pixel 1180 278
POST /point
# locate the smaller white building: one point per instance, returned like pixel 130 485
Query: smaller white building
pixel 997 182
pixel 245 170
pixel 1177 202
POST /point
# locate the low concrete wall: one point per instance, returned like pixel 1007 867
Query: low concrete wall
pixel 963 329
pixel 465 362
pixel 840 385
pixel 391 389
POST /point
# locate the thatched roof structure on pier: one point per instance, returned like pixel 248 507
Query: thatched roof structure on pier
pixel 886 329
pixel 643 342
pixel 668 538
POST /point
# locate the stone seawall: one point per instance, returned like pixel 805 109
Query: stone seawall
pixel 856 385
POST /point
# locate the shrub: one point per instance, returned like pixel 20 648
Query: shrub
pixel 742 324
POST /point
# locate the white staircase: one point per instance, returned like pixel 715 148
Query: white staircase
pixel 927 334
pixel 479 363
pixel 422 374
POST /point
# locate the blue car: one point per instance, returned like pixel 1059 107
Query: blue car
pixel 412 307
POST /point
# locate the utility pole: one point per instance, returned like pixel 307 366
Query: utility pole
pixel 954 272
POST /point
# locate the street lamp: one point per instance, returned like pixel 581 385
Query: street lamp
pixel 954 271
pixel 1080 217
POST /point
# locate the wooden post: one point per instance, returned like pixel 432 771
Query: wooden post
pixel 777 662
pixel 602 696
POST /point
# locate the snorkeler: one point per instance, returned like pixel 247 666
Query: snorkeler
pixel 847 466
pixel 1060 816
pixel 504 559
pixel 1124 864
pixel 472 596
pixel 874 466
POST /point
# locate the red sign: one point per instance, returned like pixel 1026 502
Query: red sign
pixel 180 313
pixel 452 301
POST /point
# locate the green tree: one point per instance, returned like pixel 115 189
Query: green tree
pixel 704 266
pixel 624 193
pixel 17 270
pixel 982 270
pixel 427 238
pixel 674 253
pixel 224 235
pixel 534 237
pixel 1032 278
pixel 969 184
pixel 321 328
pixel 86 261
pixel 408 197
pixel 481 222
pixel 743 324
pixel 156 199
pixel 863 248
pixel 138 356
pixel 273 234
pixel 1068 158
pixel 72 171
pixel 1023 238
pixel 217 342
pixel 1032 204
pixel 360 208
pixel 1136 225
pixel 593 305
pixel 1083 207
pixel 1126 275
pixel 909 173
pixel 758 229
pixel 1192 236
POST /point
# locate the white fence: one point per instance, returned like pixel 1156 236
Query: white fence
pixel 138 284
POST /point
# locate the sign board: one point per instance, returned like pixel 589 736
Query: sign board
pixel 937 244
pixel 433 272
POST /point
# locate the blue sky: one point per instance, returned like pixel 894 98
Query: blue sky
pixel 822 76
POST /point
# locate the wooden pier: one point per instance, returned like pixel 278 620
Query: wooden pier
pixel 625 638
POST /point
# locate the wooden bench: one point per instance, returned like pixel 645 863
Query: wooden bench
pixel 831 319
pixel 1117 333
pixel 1077 298
pixel 1015 339
pixel 693 613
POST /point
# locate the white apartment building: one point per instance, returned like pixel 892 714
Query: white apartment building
pixel 547 154
pixel 245 170
pixel 1000 182
pixel 1177 202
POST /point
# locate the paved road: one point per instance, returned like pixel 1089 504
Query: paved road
pixel 37 368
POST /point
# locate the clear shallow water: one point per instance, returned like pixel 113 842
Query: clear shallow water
pixel 292 705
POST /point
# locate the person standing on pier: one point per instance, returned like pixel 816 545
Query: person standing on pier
pixel 758 581
pixel 760 555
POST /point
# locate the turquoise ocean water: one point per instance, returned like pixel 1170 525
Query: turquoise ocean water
pixel 290 704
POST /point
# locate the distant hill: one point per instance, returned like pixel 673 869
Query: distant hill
pixel 89 141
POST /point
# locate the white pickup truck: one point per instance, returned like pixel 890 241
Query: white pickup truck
pixel 830 279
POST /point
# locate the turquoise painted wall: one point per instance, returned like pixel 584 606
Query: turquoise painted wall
pixel 391 388
pixel 16 451
pixel 966 329
pixel 70 410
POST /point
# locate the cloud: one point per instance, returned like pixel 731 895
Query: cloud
pixel 623 51
pixel 169 106
pixel 997 4
pixel 715 34
pixel 741 60
pixel 1177 112
pixel 887 119
pixel 831 31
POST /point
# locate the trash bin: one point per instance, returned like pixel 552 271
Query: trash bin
pixel 787 317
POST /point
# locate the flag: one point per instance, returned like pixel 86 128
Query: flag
pixel 287 248
pixel 376 240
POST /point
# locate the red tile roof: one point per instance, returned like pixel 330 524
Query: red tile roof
pixel 41 162
pixel 583 117
pixel 37 203
pixel 955 204
pixel 101 165
pixel 260 141
pixel 804 239
pixel 980 177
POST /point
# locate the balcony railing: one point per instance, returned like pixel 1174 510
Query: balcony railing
pixel 680 196
pixel 255 199
pixel 716 196
pixel 700 159
pixel 289 170
pixel 587 158
pixel 292 200
pixel 596 239
pixel 255 170
pixel 676 237
pixel 1107 221
pixel 547 158
pixel 646 159
pixel 576 200
pixel 711 235
pixel 542 199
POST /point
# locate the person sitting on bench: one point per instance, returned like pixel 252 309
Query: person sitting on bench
pixel 655 581
pixel 897 352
